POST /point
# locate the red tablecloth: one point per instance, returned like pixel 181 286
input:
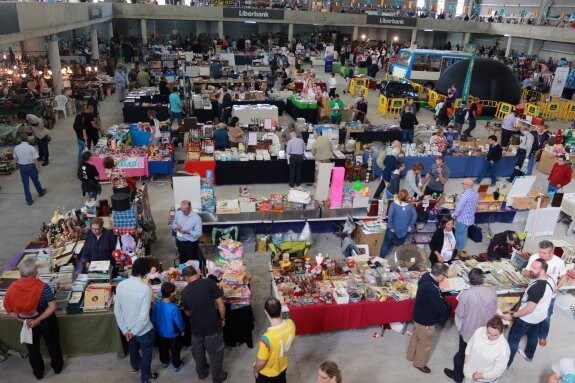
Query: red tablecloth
pixel 138 166
pixel 319 318
pixel 201 167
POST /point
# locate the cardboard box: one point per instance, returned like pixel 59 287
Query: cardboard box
pixel 530 201
pixel 546 162
pixel 372 240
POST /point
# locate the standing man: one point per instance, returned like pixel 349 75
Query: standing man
pixel 508 128
pixel 221 137
pixel 121 82
pixel 407 125
pixel 295 149
pixel 465 213
pixel 272 360
pixel 459 119
pixel 132 311
pixel 523 152
pixel 81 134
pixel 91 126
pixel 332 83
pixel 429 307
pixel 36 124
pixel 411 105
pixel 533 310
pixel 493 156
pixel 226 105
pixel 475 307
pixel 204 305
pixel 336 106
pixel 93 101
pixel 99 244
pixel 472 118
pixel 437 177
pixel 321 150
pixel 176 107
pixel 560 176
pixel 556 271
pixel 360 109
pixel 27 158
pixel 188 228
pixel 31 301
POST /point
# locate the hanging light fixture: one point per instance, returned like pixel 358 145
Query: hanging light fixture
pixel 49 72
pixel 23 75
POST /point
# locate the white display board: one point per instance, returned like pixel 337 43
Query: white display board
pixel 542 221
pixel 323 181
pixel 559 80
pixel 187 188
pixel 231 59
pixel 520 188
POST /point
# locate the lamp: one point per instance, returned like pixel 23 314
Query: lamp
pixel 40 73
pixel 88 69
pixel 63 71
pixel 49 72
pixel 23 75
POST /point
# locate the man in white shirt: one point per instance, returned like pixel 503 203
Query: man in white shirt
pixel 555 270
pixel 332 83
pixel 27 158
pixel 508 128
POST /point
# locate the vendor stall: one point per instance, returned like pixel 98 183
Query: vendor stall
pixel 255 113
pixel 302 109
pixel 267 172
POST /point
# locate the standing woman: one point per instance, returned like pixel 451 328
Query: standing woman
pixel 329 372
pixel 413 179
pixel 156 135
pixel 442 243
pixel 400 221
pixel 118 178
pixel 235 132
pixel 89 176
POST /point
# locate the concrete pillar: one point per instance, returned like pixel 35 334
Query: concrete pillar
pixel 354 36
pixel 290 32
pixel 466 38
pixel 55 67
pixel 530 48
pixel 221 29
pixel 144 31
pixel 94 40
pixel 508 49
pixel 470 7
pixel 32 46
pixel 413 36
pixel 110 30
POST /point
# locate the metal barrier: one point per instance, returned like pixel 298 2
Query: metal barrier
pixel 551 110
pixel 432 98
pixel 362 91
pixel 531 96
pixel 532 109
pixel 395 104
pixel 569 111
pixel 503 109
pixel 382 105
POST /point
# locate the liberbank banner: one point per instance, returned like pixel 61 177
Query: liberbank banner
pixel 392 21
pixel 251 14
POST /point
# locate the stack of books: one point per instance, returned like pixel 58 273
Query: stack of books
pixel 66 277
pixel 97 297
pixel 100 271
pixel 62 297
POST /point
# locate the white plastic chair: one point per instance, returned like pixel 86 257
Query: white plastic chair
pixel 60 106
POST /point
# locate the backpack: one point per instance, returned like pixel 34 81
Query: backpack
pixel 535 145
pixel 460 115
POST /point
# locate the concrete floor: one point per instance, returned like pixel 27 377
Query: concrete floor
pixel 362 358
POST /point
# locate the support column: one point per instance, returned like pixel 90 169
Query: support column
pixel 470 7
pixel 530 48
pixel 55 66
pixel 355 34
pixel 221 29
pixel 94 40
pixel 290 32
pixel 144 31
pixel 466 38
pixel 508 49
pixel 33 46
pixel 110 30
pixel 413 36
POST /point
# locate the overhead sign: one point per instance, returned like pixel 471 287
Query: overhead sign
pixel 9 19
pixel 258 14
pixel 392 21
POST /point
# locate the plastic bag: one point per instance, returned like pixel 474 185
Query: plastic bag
pixel 305 234
pixel 26 333
pixel 128 243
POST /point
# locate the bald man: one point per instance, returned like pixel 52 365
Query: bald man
pixel 188 228
pixel 465 212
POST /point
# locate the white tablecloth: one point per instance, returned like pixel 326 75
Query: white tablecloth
pixel 248 112
pixel 568 204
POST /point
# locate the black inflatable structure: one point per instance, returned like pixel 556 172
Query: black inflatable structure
pixel 491 80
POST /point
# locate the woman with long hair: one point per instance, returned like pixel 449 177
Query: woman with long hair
pixel 118 178
pixel 442 242
pixel 329 372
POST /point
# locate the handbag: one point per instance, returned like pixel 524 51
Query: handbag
pixel 474 233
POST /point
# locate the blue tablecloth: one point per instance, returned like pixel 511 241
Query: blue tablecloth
pixel 460 167
pixel 160 167
pixel 140 137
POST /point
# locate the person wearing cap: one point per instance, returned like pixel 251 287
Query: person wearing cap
pixel 27 158
pixel 429 309
pixel 36 124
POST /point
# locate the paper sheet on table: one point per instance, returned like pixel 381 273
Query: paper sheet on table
pixel 252 138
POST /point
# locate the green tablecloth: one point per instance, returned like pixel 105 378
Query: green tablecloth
pixel 336 67
pixel 343 70
pixel 362 71
pixel 81 334
pixel 302 105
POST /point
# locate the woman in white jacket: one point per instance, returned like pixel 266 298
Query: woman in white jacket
pixel 412 180
pixel 487 353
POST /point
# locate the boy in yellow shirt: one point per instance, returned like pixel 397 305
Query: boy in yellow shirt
pixel 272 360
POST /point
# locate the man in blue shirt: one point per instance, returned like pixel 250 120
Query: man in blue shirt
pixel 221 137
pixel 132 312
pixel 175 106
pixel 465 213
pixel 188 228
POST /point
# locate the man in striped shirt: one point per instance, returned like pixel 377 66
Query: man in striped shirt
pixel 465 213
pixel 295 149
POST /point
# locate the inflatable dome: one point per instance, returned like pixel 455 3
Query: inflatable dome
pixel 491 80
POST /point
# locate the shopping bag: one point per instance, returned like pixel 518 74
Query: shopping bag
pixel 474 233
pixel 26 334
pixel 298 196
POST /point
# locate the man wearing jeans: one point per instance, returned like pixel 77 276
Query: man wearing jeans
pixel 533 310
pixel 204 305
pixel 27 158
pixel 465 213
pixel 132 311
pixel 176 107
pixel 493 156
pixel 556 271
